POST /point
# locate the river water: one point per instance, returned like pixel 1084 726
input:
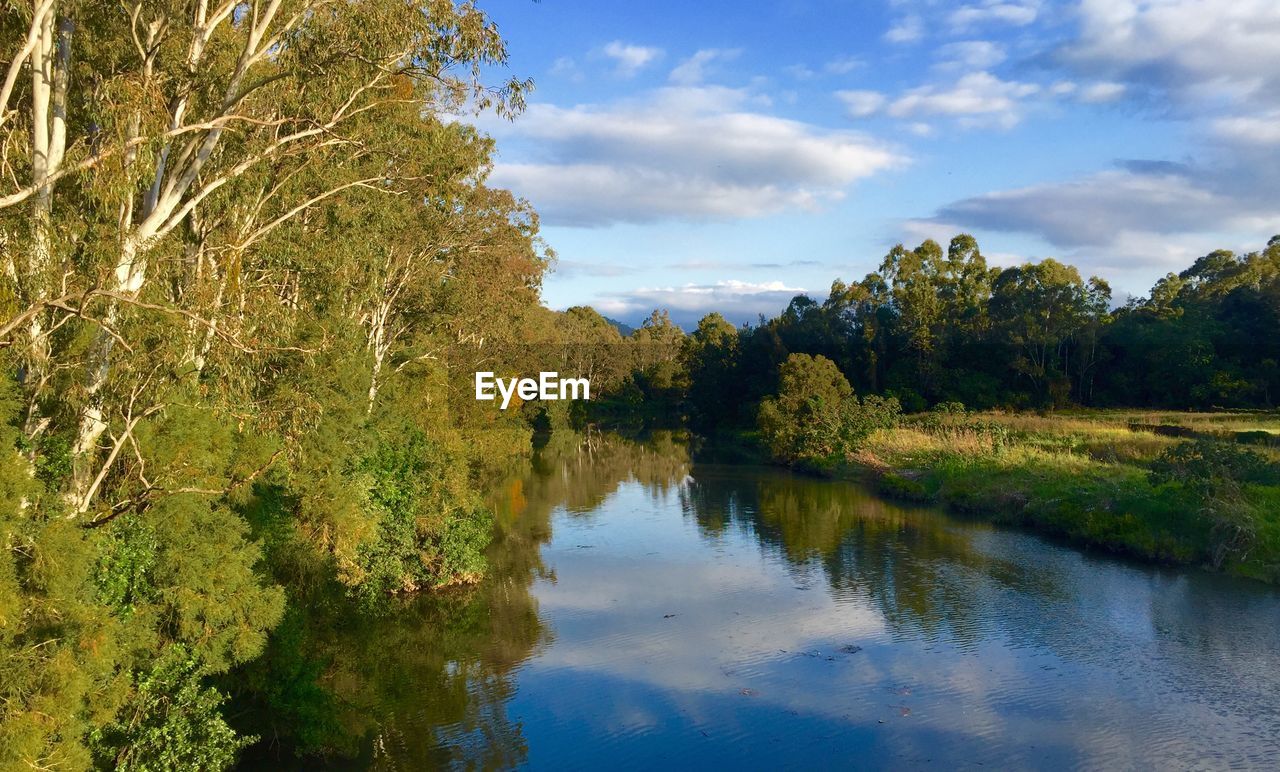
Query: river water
pixel 648 611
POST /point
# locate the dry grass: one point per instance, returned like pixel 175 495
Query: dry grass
pixel 1103 437
pixel 905 442
pixel 1224 421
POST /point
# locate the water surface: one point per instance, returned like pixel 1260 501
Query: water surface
pixel 646 610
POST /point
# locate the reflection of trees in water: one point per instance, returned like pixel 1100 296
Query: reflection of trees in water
pixel 428 685
pixel 917 568
pixel 431 681
pixel 932 577
pixel 579 471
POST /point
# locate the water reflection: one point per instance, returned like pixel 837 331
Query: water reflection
pixel 443 700
pixel 646 610
pixel 429 684
pixel 919 576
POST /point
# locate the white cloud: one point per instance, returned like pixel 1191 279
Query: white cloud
pixel 1197 51
pixel 1102 92
pixel 978 98
pixel 799 71
pixel 565 67
pixel 1063 88
pixel 917 230
pixel 738 301
pixel 1249 129
pixel 1093 209
pixel 971 54
pixel 843 65
pixel 1015 14
pixel 631 58
pixel 1210 62
pixel 1129 224
pixel 860 104
pixel 693 70
pixel 908 29
pixel 680 153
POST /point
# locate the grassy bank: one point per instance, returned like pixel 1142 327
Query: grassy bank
pixel 1088 477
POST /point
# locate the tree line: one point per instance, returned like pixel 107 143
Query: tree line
pixel 931 327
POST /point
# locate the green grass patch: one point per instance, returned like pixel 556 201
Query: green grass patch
pixel 1082 479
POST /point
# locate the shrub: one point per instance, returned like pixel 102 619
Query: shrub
pixel 430 530
pixel 815 417
pixel 173 721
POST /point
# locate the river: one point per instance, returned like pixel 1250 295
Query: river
pixel 645 610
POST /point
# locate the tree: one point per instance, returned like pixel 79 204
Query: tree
pixel 241 246
pixel 657 345
pixel 1037 307
pixel 710 357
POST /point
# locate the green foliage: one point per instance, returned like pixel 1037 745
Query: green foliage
pixel 928 328
pixel 1216 474
pixel 172 722
pixel 710 357
pixel 1212 466
pixel 202 423
pixel 53 462
pixel 281 693
pixel 431 529
pixel 815 418
pixel 900 486
pixel 126 567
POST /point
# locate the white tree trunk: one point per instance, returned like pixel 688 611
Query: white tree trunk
pixel 50 59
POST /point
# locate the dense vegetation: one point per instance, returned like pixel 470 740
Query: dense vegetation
pixel 931 327
pixel 247 251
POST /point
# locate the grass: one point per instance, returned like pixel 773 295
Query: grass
pixel 1081 476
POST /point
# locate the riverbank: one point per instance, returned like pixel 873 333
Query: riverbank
pixel 1086 478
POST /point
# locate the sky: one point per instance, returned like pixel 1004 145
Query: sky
pixel 726 156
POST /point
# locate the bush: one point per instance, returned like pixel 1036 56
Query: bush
pixel 815 418
pixel 173 721
pixel 430 530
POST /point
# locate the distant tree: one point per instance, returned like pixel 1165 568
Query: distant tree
pixel 1037 307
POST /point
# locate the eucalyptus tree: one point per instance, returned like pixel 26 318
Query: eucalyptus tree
pixel 179 319
pixel 915 278
pixel 1037 308
pixel 142 117
pixel 710 357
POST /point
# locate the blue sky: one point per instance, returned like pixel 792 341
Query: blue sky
pixel 727 155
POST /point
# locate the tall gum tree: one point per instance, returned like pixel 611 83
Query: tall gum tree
pixel 148 114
